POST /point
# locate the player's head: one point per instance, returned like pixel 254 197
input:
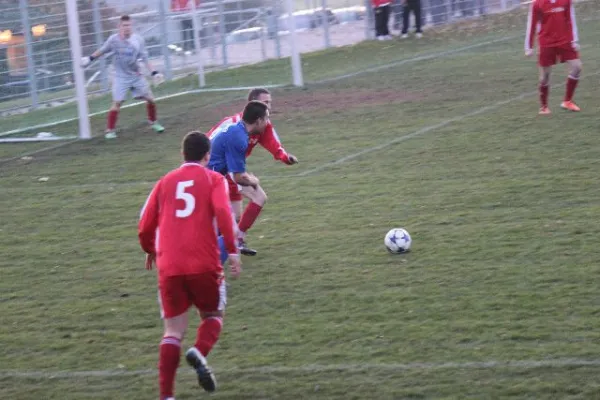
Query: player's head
pixel 256 117
pixel 125 26
pixel 261 94
pixel 196 147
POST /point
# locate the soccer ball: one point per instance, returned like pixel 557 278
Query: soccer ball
pixel 397 241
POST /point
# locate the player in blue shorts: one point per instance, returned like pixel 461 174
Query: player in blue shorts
pixel 127 48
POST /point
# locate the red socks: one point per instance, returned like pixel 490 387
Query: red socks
pixel 167 365
pixel 208 334
pixel 544 89
pixel 571 85
pixel 249 216
pixel 111 123
pixel 151 109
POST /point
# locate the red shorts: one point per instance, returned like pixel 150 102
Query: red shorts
pixel 207 292
pixel 234 189
pixel 548 56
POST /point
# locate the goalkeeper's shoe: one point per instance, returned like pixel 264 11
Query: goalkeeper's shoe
pixel 196 360
pixel 158 128
pixel 569 105
pixel 110 135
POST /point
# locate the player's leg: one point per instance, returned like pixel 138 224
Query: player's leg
pixel 141 90
pixel 544 88
pixel 210 296
pixel 258 199
pixel 571 57
pixel 174 303
pixel 119 94
pixel 111 120
pixel 235 197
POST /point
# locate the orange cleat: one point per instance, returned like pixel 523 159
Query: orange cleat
pixel 545 111
pixel 569 105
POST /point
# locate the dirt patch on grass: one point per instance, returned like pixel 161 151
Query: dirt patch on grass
pixel 325 101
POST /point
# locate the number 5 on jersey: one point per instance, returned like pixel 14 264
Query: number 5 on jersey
pixel 190 201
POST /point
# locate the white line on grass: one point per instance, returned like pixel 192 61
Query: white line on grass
pixel 413 59
pixel 339 161
pixel 319 368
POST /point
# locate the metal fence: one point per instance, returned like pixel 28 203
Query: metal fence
pixel 37 71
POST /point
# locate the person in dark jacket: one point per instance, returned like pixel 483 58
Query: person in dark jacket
pixel 381 9
pixel 415 7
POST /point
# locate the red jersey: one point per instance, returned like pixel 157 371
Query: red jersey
pixel 268 139
pixel 554 22
pixel 179 220
pixel 380 3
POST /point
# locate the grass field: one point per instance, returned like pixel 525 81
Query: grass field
pixel 502 206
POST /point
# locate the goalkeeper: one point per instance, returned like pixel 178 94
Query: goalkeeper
pixel 127 48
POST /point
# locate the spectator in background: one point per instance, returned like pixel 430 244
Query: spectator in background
pixel 415 7
pixel 381 9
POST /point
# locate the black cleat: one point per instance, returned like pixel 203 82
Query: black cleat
pixel 245 250
pixel 206 379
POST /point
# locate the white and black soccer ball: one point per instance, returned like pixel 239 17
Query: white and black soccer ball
pixel 398 241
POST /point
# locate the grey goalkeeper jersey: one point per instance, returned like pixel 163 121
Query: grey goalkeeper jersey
pixel 126 53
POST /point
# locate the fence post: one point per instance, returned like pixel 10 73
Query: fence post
pixel 79 74
pixel 29 51
pixel 263 32
pixel 196 33
pixel 275 14
pixel 298 79
pixel 369 34
pixel 223 33
pixel 326 24
pixel 164 39
pixel 99 41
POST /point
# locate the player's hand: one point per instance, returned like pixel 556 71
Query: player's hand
pixel 235 264
pixel 150 260
pixel 292 159
pixel 157 78
pixel 85 61
pixel 528 53
pixel 575 46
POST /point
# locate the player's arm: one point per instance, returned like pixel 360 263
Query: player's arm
pixel 235 157
pixel 157 77
pixel 270 141
pixel 106 48
pixel 533 19
pixel 574 31
pixel 149 221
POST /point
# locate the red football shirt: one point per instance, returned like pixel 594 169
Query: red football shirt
pixel 179 220
pixel 554 22
pixel 268 139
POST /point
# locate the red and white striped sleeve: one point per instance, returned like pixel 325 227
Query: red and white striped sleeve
pixel 574 31
pixel 532 25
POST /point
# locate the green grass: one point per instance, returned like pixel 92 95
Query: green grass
pixel 502 207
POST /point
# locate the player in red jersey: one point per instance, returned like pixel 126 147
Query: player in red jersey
pixel 177 232
pixel 268 140
pixel 554 22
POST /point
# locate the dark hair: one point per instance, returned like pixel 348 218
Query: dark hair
pixel 195 146
pixel 125 18
pixel 254 111
pixel 255 93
